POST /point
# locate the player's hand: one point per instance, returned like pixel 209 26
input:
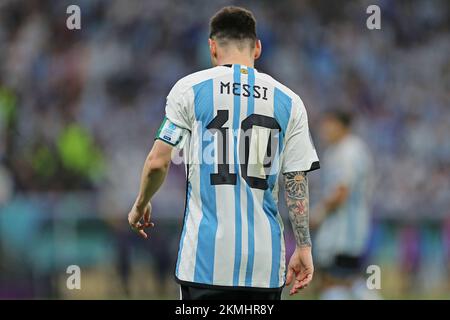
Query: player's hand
pixel 300 269
pixel 136 215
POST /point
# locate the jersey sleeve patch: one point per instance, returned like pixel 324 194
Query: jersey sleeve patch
pixel 170 133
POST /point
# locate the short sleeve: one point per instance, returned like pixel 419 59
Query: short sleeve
pixel 172 134
pixel 299 151
pixel 354 162
pixel 347 171
pixel 179 106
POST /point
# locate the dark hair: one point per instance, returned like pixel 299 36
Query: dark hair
pixel 342 116
pixel 233 23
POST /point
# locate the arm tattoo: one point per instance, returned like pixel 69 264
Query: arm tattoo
pixel 297 199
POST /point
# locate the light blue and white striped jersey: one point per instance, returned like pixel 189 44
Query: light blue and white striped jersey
pixel 346 230
pixel 239 129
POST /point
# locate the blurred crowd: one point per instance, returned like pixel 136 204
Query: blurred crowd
pixel 79 108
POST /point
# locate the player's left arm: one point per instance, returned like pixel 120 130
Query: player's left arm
pixel 299 157
pixel 297 200
pixel 153 175
pixel 300 268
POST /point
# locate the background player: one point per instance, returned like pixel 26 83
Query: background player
pixel 343 214
pixel 238 128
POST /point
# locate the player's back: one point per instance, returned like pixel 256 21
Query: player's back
pixel 242 128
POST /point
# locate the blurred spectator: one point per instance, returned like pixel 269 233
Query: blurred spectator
pixel 79 109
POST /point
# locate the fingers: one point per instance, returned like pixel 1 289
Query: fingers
pixel 304 283
pixel 147 214
pixel 301 283
pixel 142 234
pixel 145 225
pixel 295 288
pixel 289 276
pixel 139 228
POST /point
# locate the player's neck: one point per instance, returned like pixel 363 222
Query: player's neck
pixel 242 60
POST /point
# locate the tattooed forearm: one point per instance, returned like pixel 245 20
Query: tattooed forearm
pixel 297 199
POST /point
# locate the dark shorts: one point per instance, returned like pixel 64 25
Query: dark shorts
pixel 197 293
pixel 345 266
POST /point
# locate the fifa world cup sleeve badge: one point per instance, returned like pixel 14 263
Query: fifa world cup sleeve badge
pixel 170 133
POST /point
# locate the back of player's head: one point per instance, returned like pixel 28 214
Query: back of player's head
pixel 344 117
pixel 233 24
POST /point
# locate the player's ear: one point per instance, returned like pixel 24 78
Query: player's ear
pixel 258 49
pixel 212 48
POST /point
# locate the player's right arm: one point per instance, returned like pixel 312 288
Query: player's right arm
pixel 153 175
pixel 170 135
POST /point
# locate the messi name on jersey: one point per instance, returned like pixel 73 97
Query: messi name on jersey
pixel 237 89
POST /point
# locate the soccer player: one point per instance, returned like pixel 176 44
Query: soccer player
pixel 343 214
pixel 239 128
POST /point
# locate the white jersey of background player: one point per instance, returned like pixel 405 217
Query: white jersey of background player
pixel 343 215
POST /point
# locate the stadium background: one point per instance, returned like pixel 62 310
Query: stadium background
pixel 79 109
